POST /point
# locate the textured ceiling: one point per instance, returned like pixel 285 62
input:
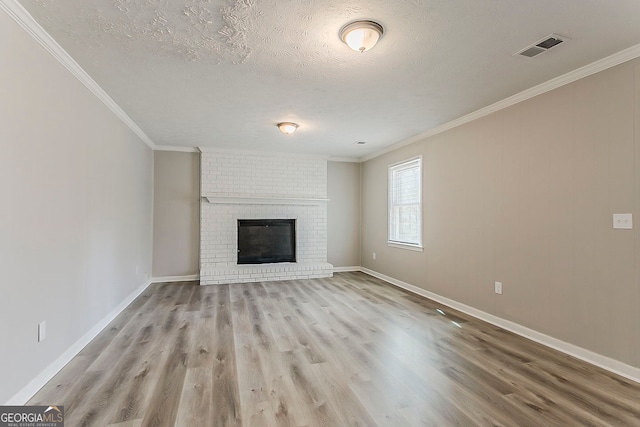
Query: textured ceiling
pixel 197 73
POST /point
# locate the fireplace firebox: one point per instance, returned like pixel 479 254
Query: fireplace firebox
pixel 262 241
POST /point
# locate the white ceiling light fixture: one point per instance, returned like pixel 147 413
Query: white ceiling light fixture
pixel 287 127
pixel 361 35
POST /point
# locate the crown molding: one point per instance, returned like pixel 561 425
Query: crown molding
pixel 19 14
pixel 177 149
pixel 605 63
pixel 221 150
pixel 344 159
pixel 262 153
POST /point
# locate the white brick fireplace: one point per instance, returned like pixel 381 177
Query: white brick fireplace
pixel 238 185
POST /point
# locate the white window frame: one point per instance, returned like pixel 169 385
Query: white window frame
pixel 405 164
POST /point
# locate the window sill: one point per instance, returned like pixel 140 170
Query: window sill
pixel 406 246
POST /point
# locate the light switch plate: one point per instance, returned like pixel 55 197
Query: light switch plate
pixel 624 221
pixel 499 288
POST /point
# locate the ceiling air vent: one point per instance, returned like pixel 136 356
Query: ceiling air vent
pixel 541 46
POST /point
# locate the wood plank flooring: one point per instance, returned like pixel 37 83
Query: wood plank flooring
pixel 346 351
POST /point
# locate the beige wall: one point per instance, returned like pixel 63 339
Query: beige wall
pixel 525 196
pixel 343 222
pixel 176 214
pixel 75 222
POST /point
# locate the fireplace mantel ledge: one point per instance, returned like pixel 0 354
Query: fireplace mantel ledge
pixel 221 200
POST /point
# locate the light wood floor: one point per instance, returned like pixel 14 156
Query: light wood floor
pixel 345 351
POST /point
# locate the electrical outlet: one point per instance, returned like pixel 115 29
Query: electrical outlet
pixel 624 221
pixel 42 331
pixel 499 288
pixel 374 255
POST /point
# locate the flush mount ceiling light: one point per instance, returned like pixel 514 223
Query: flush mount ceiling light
pixel 287 127
pixel 361 35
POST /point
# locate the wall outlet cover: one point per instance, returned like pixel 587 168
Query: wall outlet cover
pixel 623 221
pixel 498 287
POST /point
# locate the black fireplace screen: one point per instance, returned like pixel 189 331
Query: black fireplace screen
pixel 263 241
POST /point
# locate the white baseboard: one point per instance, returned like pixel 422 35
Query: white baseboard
pixel 346 269
pixel 615 366
pixel 604 362
pixel 166 279
pixel 27 392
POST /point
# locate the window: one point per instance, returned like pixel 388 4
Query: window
pixel 405 204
